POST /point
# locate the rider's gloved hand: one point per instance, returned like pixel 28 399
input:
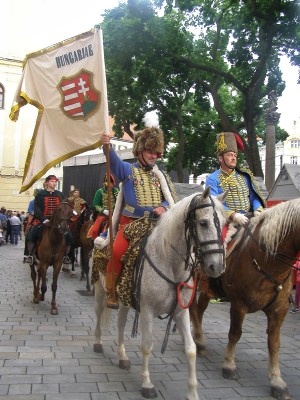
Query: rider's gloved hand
pixel 258 211
pixel 46 220
pixel 105 212
pixel 241 219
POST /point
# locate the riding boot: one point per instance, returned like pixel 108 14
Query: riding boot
pixel 30 247
pixel 111 295
pixel 66 259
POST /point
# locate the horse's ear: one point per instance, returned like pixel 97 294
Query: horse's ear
pixel 206 192
pixel 222 197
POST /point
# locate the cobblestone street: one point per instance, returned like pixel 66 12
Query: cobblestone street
pixel 45 357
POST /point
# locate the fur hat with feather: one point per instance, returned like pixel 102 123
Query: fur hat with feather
pixel 151 138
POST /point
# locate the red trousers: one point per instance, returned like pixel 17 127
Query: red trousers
pixel 96 229
pixel 120 246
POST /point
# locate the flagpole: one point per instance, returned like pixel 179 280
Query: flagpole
pixel 110 211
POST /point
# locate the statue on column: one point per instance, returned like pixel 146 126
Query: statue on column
pixel 270 113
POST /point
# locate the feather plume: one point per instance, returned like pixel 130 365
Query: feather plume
pixel 151 119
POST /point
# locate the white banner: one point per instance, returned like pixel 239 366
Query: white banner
pixel 67 83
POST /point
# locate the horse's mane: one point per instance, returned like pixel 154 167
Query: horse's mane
pixel 170 223
pixel 277 222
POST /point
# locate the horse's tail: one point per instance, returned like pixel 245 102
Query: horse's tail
pixel 100 303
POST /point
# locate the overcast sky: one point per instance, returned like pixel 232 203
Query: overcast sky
pixel 30 25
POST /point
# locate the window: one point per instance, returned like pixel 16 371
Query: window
pixel 294 160
pixel 295 144
pixel 1 97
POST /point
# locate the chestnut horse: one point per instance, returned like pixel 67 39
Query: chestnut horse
pixel 258 276
pixel 50 250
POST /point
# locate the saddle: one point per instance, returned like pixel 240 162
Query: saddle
pixel 126 287
pixel 99 226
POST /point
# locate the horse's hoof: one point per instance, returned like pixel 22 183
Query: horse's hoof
pixel 201 350
pixel 124 364
pixel 281 394
pixel 73 274
pixel 98 348
pixel 36 300
pixel 149 393
pixel 54 311
pixel 230 374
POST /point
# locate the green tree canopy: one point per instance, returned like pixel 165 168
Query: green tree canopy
pixel 206 66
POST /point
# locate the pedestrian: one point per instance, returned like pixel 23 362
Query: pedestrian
pixel 22 216
pixel 15 224
pixel 3 224
pixel 8 229
pixel 297 290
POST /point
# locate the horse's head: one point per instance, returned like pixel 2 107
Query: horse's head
pixel 62 216
pixel 204 222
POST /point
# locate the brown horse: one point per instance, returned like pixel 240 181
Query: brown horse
pixel 75 228
pixel 87 245
pixel 257 277
pixel 50 250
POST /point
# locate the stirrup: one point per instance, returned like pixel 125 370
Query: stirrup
pixel 112 303
pixel 29 260
pixel 113 306
pixel 66 260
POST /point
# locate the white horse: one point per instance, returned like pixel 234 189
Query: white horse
pixel 186 237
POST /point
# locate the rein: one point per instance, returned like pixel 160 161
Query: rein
pixel 278 256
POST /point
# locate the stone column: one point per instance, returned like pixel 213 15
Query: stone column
pixel 271 119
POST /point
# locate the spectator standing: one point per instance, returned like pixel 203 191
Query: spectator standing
pixel 297 292
pixel 15 224
pixel 21 215
pixel 3 223
pixel 8 229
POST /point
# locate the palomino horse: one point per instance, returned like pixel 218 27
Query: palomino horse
pixel 258 277
pixel 186 237
pixel 50 250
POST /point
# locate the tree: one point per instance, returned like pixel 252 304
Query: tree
pixel 227 51
pixel 238 48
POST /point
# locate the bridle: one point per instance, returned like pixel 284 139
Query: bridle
pixel 59 222
pixel 192 235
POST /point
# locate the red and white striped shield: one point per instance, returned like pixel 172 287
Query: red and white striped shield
pixel 80 99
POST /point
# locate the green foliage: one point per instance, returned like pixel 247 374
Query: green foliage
pixel 205 66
